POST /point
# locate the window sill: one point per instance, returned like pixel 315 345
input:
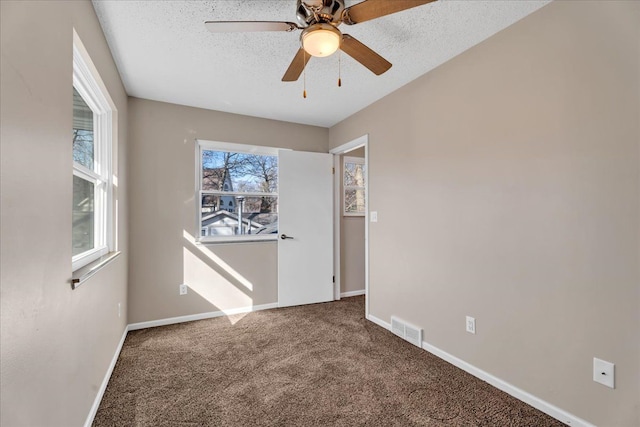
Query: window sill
pixel 217 241
pixel 82 274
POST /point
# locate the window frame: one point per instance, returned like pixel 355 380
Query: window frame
pixel 90 87
pixel 205 145
pixel 357 161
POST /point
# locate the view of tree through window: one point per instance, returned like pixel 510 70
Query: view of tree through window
pixel 82 132
pixel 238 194
pixel 354 186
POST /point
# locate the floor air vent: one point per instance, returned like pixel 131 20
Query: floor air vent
pixel 406 331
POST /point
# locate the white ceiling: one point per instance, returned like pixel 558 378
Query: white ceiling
pixel 164 52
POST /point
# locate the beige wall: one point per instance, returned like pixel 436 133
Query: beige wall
pixel 521 159
pixel 163 213
pixel 56 343
pixel 351 244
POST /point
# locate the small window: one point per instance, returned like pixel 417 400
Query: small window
pixel 238 192
pixel 353 180
pixel 91 137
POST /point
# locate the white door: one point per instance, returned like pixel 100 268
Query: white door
pixel 305 224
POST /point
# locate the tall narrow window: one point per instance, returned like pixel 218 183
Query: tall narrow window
pixel 238 192
pixel 354 196
pixel 92 179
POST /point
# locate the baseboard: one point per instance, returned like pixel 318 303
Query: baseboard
pixel 536 402
pixel 379 322
pixel 200 316
pixel 351 293
pixel 105 381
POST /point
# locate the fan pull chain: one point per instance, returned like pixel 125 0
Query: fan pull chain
pixel 304 74
pixel 339 68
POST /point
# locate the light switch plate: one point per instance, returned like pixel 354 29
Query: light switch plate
pixel 374 216
pixel 604 372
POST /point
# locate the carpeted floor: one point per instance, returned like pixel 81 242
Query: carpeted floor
pixel 316 365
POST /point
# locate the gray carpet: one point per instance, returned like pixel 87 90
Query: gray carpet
pixel 317 365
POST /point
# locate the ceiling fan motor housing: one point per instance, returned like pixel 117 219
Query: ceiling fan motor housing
pixel 311 12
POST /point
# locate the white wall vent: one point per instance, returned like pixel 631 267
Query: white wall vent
pixel 406 331
pixel 397 327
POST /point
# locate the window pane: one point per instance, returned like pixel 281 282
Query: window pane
pixel 82 131
pixel 353 175
pixel 354 200
pixel 239 172
pixel 221 215
pixel 83 215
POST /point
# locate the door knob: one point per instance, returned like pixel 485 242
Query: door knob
pixel 284 236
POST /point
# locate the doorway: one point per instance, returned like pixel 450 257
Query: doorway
pixel 351 225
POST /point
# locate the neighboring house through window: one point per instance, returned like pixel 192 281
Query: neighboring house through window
pixel 92 221
pixel 238 192
pixel 354 194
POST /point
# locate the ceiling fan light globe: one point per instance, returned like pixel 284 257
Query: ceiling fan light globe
pixel 321 40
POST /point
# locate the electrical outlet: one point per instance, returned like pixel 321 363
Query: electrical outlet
pixel 374 216
pixel 119 309
pixel 183 289
pixel 604 372
pixel 471 325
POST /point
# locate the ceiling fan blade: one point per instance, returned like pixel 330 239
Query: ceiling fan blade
pixel 297 66
pixel 361 53
pixel 371 9
pixel 249 26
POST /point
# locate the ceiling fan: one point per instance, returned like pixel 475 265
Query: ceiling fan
pixel 320 37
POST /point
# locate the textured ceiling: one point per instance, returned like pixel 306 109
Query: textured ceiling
pixel 165 53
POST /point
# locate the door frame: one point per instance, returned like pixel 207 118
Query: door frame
pixel 362 141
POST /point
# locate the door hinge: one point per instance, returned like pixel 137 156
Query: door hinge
pixel 334 279
pixel 333 171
